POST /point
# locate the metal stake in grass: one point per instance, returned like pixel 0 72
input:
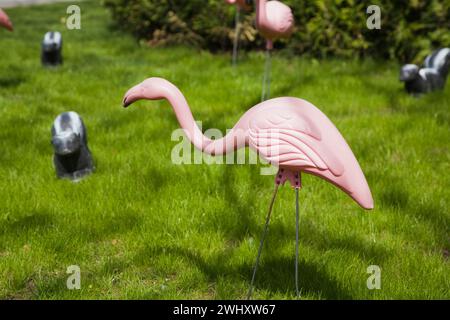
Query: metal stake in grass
pixel 261 243
pixel 274 20
pixel 267 76
pixel 280 177
pixel 297 222
pixel 237 35
pixel 244 5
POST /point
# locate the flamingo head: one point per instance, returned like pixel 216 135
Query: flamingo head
pixel 409 72
pixel 149 89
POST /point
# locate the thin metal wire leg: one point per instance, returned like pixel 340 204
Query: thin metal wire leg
pixel 269 73
pixel 267 76
pixel 266 226
pixel 236 36
pixel 297 222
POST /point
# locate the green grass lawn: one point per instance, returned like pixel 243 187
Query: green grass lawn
pixel 144 228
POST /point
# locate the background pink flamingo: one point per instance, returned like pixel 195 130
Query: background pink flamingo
pixel 274 20
pixel 290 133
pixel 240 5
pixel 5 21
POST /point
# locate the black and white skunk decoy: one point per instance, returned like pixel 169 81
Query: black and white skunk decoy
pixel 51 54
pixel 439 60
pixel 72 157
pixel 423 80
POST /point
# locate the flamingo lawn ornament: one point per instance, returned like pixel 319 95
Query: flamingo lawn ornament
pixel 274 20
pixel 240 5
pixel 4 21
pixel 288 132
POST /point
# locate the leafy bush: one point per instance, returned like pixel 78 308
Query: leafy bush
pixel 203 23
pixel 409 29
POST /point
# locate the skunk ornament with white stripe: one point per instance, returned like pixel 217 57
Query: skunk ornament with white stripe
pixel 51 54
pixel 418 81
pixel 432 77
pixel 72 157
pixel 440 61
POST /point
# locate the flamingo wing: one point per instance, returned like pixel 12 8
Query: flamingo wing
pixel 293 134
pixel 290 139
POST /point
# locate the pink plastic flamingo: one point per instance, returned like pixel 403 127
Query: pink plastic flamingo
pixel 240 5
pixel 274 20
pixel 288 132
pixel 4 21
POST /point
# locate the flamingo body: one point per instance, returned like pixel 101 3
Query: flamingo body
pixel 288 132
pixel 274 20
pixel 5 21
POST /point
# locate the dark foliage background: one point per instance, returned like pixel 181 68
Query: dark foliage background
pixel 409 28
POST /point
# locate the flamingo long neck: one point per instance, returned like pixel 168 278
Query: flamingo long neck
pixel 232 141
pixel 261 20
pixel 261 13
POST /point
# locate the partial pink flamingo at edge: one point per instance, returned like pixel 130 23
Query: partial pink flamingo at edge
pixel 5 21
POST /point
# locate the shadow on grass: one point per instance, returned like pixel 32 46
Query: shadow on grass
pixel 115 224
pixel 12 76
pixel 275 274
pixel 150 179
pixel 242 207
pixel 394 196
pixel 39 221
pixel 34 220
pixel 323 241
pixel 11 81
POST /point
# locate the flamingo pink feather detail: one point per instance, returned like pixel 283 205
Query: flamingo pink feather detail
pixel 288 132
pixel 5 21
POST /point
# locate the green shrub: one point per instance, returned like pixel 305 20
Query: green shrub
pixel 203 23
pixel 409 30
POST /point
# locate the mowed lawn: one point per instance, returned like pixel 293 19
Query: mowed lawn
pixel 142 227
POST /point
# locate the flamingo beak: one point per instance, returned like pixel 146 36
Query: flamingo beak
pixel 132 95
pixel 148 89
pixel 126 102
